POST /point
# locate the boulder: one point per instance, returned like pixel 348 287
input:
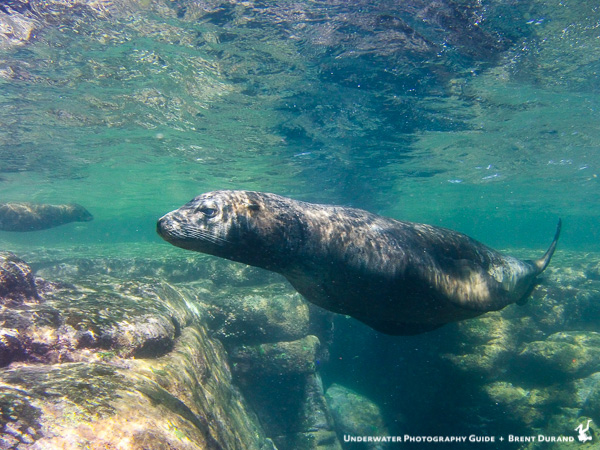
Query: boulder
pixel 486 345
pixel 562 355
pixel 183 400
pixel 113 354
pixel 261 315
pixel 355 415
pixel 277 359
pixel 17 283
pixel 108 362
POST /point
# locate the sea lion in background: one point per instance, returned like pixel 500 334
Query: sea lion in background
pixel 398 277
pixel 39 216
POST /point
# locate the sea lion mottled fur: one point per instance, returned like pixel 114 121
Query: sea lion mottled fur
pixel 40 216
pixel 397 277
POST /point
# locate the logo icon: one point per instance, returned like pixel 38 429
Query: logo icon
pixel 583 432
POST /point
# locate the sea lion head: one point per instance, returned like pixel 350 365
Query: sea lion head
pixel 203 224
pixel 80 214
pixel 249 227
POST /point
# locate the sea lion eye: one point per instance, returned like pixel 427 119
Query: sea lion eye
pixel 208 211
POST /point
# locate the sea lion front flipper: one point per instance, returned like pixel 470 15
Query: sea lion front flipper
pixel 469 287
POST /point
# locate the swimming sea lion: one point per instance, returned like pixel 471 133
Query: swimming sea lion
pixel 39 216
pixel 397 277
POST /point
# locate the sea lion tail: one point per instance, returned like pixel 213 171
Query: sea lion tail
pixel 543 262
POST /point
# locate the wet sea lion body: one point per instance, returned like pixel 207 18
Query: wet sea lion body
pixel 397 277
pixel 40 216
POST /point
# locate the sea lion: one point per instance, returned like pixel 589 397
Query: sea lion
pixel 398 277
pixel 39 216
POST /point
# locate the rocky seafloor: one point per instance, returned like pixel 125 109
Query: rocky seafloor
pixel 157 349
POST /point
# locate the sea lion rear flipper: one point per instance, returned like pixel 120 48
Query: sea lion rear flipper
pixel 543 262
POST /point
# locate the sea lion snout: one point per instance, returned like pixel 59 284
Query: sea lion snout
pixel 164 226
pixel 160 226
pixel 80 214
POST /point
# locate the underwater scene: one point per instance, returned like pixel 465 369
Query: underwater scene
pixel 427 309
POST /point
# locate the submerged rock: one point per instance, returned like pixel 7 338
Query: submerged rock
pixel 11 347
pixel 564 354
pixel 527 405
pixel 17 283
pixel 137 262
pixel 293 410
pixel 281 358
pixel 355 414
pixel 74 323
pixel 275 360
pixel 262 315
pixel 109 362
pixel 316 430
pixel 137 403
pixel 108 357
pixel 487 345
pixel 587 397
pixel 18 293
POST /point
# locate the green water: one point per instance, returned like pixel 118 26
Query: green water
pixel 133 108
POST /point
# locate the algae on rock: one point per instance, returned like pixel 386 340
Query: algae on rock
pixel 355 414
pixel 118 362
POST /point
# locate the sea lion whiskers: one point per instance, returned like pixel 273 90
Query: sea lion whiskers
pixel 195 232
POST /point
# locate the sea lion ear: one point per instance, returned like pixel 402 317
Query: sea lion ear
pixel 252 206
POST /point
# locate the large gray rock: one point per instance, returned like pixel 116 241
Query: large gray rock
pixel 261 314
pixel 356 415
pixel 281 382
pixel 564 354
pixel 488 344
pixel 17 283
pixel 293 410
pixel 111 352
pixel 277 359
pixel 183 400
pixel 109 362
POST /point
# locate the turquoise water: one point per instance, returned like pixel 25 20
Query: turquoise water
pixel 132 109
pixel 478 116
